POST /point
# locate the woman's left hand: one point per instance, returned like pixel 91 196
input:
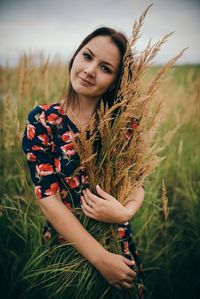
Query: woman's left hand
pixel 103 207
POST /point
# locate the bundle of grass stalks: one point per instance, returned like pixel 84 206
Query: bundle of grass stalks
pixel 129 144
pixel 128 154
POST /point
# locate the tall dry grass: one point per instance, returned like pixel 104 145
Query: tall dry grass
pixel 21 220
pixel 169 245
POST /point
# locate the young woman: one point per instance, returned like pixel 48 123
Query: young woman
pixel 95 71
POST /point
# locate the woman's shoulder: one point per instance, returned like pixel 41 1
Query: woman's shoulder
pixel 50 113
pixel 52 108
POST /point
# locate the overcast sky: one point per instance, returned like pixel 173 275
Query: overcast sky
pixel 58 26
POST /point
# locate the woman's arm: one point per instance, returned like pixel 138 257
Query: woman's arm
pixel 115 268
pixel 107 209
pixel 134 202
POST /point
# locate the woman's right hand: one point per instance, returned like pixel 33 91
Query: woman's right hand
pixel 113 267
pixel 116 270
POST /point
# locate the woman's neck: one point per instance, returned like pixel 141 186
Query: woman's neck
pixel 85 106
pixel 81 112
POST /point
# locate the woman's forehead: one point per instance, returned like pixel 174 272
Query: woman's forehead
pixel 104 48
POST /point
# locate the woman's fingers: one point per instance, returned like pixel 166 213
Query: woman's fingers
pixel 102 193
pixel 126 285
pixel 88 199
pixel 132 274
pixel 86 205
pixel 123 284
pixel 129 279
pixel 87 211
pixel 117 286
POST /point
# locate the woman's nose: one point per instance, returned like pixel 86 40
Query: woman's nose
pixel 90 70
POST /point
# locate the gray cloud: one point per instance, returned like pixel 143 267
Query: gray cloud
pixel 59 26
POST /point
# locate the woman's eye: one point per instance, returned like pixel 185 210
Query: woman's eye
pixel 87 56
pixel 106 69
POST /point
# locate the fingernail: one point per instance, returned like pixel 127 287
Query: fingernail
pixel 98 186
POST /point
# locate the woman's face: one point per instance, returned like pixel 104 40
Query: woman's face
pixel 95 67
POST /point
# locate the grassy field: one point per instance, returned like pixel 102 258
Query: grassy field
pixel 169 245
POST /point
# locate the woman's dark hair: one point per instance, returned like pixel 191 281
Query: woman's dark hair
pixel 120 40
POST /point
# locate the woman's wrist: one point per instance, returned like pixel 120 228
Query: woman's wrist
pixel 97 258
pixel 126 215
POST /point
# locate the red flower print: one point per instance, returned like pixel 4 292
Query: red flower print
pixel 44 169
pixel 57 107
pixel 68 149
pixel 30 131
pixel 45 106
pixel 73 182
pixel 128 135
pixel 84 179
pixel 67 136
pixel 54 119
pixel 38 192
pixel 37 148
pixel 47 235
pixel 57 164
pixel 52 146
pixel 63 193
pixel 42 120
pixel 134 123
pixel 44 138
pixel 68 205
pixel 61 111
pixel 133 126
pixel 61 239
pixel 54 188
pixel 31 157
pixel 121 232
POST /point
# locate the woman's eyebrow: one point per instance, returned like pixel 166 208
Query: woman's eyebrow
pixel 105 62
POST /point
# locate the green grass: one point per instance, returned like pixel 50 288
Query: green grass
pixel 169 249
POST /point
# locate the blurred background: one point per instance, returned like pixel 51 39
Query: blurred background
pixel 57 27
pixel 38 38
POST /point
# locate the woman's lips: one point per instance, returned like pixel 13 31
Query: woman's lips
pixel 85 82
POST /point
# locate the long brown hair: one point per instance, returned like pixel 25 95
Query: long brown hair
pixel 120 40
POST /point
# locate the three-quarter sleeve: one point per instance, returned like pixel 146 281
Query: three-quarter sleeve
pixel 37 144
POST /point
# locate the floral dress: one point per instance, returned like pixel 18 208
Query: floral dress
pixel 52 160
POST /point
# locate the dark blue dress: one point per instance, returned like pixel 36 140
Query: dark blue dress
pixel 52 160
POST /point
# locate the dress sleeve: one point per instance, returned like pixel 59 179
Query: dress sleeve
pixel 38 147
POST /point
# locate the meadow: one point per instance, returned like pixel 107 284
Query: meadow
pixel 168 242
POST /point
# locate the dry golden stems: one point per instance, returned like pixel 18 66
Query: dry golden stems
pixel 155 48
pixel 139 63
pixel 137 26
pixel 21 77
pixel 165 201
pixel 140 66
pixel 45 81
pixel 154 85
pixel 9 118
pixel 124 163
pixel 26 76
